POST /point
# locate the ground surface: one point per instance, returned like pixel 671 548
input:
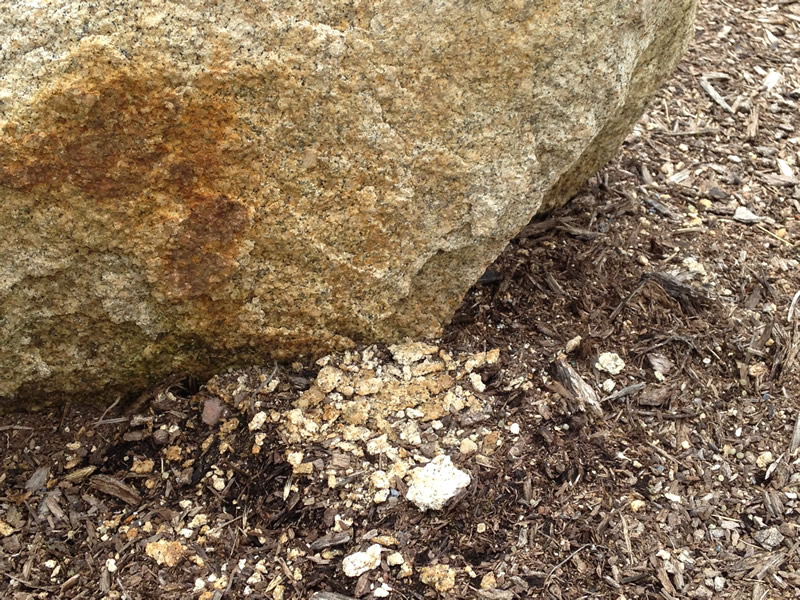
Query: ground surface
pixel 677 476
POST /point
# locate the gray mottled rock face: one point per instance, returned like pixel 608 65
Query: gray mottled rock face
pixel 187 185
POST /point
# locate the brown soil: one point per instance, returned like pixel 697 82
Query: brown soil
pixel 681 257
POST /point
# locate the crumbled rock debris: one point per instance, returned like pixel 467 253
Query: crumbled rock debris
pixel 440 577
pixel 385 422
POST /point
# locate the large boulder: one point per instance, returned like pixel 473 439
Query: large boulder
pixel 190 184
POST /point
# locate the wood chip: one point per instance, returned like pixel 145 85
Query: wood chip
pixel 715 96
pixel 582 392
pixel 114 487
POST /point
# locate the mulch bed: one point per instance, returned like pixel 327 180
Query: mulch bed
pixel 636 435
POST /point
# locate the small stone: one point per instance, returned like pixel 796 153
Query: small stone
pixel 440 577
pixel 328 378
pixel 369 386
pixel 111 565
pixel 212 411
pixel 173 453
pixel 142 466
pixel 165 552
pixel 609 385
pixel 5 529
pixel 379 480
pixel 413 352
pixel 573 344
pixel 467 447
pixel 394 559
pixel 637 505
pixel 764 459
pixel 477 382
pixel 488 581
pixel 610 362
pixel 258 420
pixel 358 563
pixel 433 485
pixel 379 445
pixel 695 267
pixel 490 442
pixel 295 458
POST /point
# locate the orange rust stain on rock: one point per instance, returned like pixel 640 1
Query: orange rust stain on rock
pixel 202 253
pixel 116 134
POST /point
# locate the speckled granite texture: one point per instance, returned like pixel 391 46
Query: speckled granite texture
pixel 187 185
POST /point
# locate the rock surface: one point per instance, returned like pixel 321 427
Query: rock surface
pixel 187 185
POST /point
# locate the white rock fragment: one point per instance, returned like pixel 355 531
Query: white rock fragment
pixel 379 480
pixel 764 459
pixel 573 344
pixel 609 385
pixel 328 378
pixel 111 565
pixel 433 485
pixel 610 362
pixel 477 382
pixel 394 559
pixel 468 447
pixel 358 563
pixel 258 420
pixel 295 458
pixel 413 352
pixel 379 445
